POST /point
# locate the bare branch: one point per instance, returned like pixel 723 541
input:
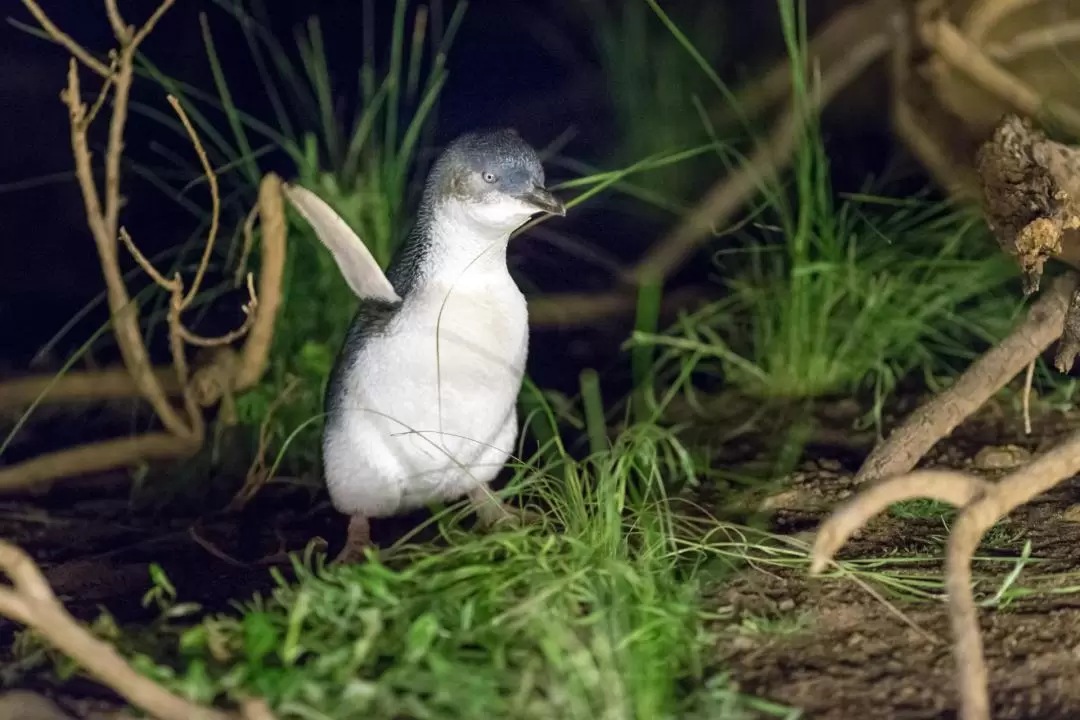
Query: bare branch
pixel 79 386
pixel 145 264
pixel 151 23
pixel 230 337
pixel 103 94
pixel 65 40
pixel 30 601
pixel 124 310
pixel 937 418
pixel 121 29
pixel 95 457
pixel 955 488
pixel 215 200
pixel 964 55
pixel 271 210
pixel 249 242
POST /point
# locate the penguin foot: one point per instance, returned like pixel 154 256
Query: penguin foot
pixel 493 513
pixel 357 539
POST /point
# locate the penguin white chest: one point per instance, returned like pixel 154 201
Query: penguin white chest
pixel 430 406
pixel 465 348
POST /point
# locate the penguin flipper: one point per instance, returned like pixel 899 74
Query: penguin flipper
pixel 356 263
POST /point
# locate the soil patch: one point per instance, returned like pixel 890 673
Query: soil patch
pixel 832 649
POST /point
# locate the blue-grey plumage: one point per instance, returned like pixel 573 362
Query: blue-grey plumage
pixel 421 403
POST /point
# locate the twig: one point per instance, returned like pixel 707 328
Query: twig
pixel 249 243
pixel 103 94
pixel 1034 40
pixel 66 41
pixel 145 264
pixel 1029 376
pixel 120 29
pixel 81 385
pixel 981 18
pixel 30 601
pixel 231 336
pixel 214 380
pixel 965 56
pixel 102 217
pixel 955 488
pixel 215 203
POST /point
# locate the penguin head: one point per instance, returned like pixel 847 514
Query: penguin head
pixel 495 177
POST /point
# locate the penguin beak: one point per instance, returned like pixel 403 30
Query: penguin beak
pixel 542 199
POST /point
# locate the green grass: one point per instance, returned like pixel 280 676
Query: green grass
pixel 596 612
pixel 653 93
pixel 824 298
pixel 861 300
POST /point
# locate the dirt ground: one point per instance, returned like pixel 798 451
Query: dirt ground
pixel 849 655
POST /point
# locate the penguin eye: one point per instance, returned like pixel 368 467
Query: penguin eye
pixel 489 177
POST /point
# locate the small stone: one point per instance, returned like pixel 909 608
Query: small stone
pixel 743 642
pixel 786 605
pixel 1001 457
pixel 793 499
pixel 26 705
pixel 830 464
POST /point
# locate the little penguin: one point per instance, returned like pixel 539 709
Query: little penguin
pixel 421 404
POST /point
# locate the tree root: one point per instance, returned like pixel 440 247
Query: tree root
pixel 908 443
pixel 29 600
pixel 981 504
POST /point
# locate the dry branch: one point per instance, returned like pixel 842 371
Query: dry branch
pixel 963 54
pixel 30 601
pixel 79 386
pixel 93 458
pixel 256 353
pixel 215 380
pixel 908 443
pixel 981 505
pixel 105 229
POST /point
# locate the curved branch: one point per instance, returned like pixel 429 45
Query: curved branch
pixel 256 353
pixel 1040 475
pixel 955 488
pixel 30 601
pixel 968 58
